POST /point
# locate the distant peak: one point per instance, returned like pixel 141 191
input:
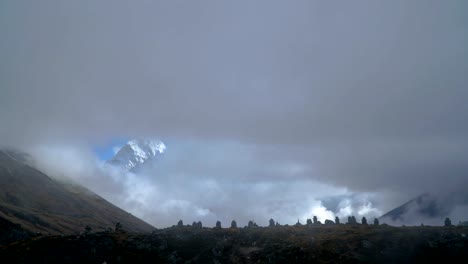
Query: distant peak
pixel 138 151
pixel 153 145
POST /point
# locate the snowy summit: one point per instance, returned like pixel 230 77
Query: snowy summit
pixel 136 152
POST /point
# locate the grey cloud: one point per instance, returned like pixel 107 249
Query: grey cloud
pixel 265 71
pixel 370 95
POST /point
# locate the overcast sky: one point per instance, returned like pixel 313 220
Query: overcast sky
pixel 366 98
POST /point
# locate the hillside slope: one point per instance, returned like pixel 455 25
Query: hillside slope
pixel 39 203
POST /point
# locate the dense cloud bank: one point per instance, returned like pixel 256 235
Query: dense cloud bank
pixel 366 96
pixel 189 186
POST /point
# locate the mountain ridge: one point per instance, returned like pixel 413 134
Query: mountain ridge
pixel 428 208
pixel 39 203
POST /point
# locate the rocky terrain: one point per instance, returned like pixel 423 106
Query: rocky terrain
pixel 279 244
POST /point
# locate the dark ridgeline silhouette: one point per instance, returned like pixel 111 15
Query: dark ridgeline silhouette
pixel 447 222
pixel 364 220
pixel 272 222
pixel 376 221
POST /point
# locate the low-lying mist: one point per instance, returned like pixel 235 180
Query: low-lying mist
pixel 187 185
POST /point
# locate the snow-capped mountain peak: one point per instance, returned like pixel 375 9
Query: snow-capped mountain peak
pixel 145 147
pixel 138 151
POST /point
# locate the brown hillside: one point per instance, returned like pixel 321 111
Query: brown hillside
pixel 41 204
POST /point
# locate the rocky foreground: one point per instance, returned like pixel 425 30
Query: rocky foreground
pixel 283 244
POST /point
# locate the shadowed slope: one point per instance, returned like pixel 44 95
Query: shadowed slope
pixel 41 204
